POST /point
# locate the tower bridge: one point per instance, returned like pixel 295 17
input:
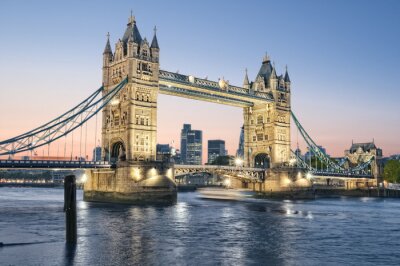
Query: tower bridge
pixel 132 80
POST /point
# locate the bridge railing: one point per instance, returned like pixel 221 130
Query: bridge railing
pixel 53 164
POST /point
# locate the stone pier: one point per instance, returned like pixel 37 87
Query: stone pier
pixel 140 183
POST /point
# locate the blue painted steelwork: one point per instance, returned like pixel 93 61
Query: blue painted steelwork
pixel 205 96
pixel 212 86
pixel 62 125
pixel 353 172
pixel 332 166
pixel 27 164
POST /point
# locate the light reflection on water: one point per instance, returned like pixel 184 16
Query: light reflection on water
pixel 200 232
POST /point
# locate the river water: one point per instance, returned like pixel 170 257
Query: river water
pixel 341 231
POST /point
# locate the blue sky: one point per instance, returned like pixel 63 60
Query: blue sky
pixel 343 59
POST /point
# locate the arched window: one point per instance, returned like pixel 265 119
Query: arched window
pixel 260 119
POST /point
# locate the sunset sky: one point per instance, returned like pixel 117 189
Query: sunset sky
pixel 343 59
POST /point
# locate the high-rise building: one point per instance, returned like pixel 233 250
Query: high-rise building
pixel 215 148
pixel 97 154
pixel 163 152
pixel 240 150
pixel 191 145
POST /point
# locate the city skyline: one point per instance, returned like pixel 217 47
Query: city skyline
pixel 342 95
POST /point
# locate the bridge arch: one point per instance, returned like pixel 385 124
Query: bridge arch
pixel 118 151
pixel 262 160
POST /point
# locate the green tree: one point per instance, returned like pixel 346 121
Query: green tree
pixel 391 172
pixel 222 160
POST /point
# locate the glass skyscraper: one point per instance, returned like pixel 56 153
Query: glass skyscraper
pixel 191 145
pixel 215 148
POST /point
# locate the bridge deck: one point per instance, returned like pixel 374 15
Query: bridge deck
pixel 201 89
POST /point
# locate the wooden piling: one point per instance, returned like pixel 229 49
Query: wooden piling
pixel 70 209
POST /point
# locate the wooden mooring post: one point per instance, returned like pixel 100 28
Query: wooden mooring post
pixel 70 209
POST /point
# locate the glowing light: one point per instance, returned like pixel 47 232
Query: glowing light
pixel 84 178
pixel 227 182
pixel 136 174
pixel 114 102
pixel 170 173
pixel 153 172
pixel 309 175
pixel 292 161
pixel 238 162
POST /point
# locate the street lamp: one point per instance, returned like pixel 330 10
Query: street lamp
pixel 238 162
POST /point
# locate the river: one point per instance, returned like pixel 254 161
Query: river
pixel 340 231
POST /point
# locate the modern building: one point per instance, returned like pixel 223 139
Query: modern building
pixel 191 145
pixel 240 150
pixel 97 154
pixel 163 152
pixel 310 153
pixel 215 148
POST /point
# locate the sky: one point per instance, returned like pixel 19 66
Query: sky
pixel 343 59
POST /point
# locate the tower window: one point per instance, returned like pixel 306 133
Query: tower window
pixel 260 119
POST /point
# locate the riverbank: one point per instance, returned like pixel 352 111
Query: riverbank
pixel 42 185
pixel 313 193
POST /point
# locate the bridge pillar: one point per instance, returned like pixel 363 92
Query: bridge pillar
pixel 129 126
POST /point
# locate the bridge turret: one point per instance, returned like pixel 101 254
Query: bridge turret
pixel 107 59
pixel 246 83
pixel 107 54
pixel 155 49
pixel 287 79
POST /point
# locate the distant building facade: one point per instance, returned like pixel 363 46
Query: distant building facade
pixel 363 152
pixel 163 152
pixel 191 145
pixel 310 153
pixel 240 150
pixel 97 154
pixel 215 148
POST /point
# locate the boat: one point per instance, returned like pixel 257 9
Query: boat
pixel 225 193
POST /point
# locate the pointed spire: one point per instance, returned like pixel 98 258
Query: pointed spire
pixel 131 18
pixel 132 32
pixel 287 79
pixel 154 42
pixel 107 49
pixel 266 58
pixel 246 79
pixel 273 72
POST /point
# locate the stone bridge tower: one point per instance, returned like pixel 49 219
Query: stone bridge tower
pixel 129 127
pixel 267 125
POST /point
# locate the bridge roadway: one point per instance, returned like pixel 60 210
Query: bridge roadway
pixel 253 174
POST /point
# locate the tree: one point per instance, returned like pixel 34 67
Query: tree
pixel 223 160
pixel 391 172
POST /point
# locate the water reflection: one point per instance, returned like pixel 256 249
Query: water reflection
pixel 198 232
